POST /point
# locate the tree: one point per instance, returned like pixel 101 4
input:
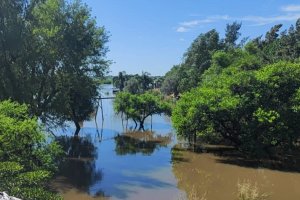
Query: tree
pixel 45 44
pixel 121 80
pixel 76 100
pixel 199 54
pixel 272 35
pixel 45 53
pixel 84 48
pixel 27 157
pixel 139 107
pixel 12 26
pixel 137 84
pixel 197 59
pixel 232 34
pixel 253 107
pixel 122 103
pixel 146 81
pixel 171 82
pixel 133 85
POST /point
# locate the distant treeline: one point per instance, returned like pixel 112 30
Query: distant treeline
pixel 136 84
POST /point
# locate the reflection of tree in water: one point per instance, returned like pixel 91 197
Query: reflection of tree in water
pixel 78 148
pixel 79 166
pixel 140 142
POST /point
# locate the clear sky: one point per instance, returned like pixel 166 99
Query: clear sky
pixel 152 35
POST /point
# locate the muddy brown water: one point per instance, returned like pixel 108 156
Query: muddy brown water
pixel 208 175
pixel 105 163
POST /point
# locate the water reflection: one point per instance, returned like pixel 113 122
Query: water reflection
pixel 147 166
pixel 140 142
pixel 79 168
pixel 108 163
pixel 78 148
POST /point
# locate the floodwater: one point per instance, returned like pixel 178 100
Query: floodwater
pixel 110 162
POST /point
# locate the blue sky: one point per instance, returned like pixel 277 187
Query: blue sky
pixel 152 35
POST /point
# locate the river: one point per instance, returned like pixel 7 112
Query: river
pixel 106 163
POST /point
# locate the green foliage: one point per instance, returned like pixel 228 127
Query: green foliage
pixel 266 116
pixel 254 107
pixel 48 49
pixel 232 34
pixel 8 168
pixel 51 53
pixel 27 160
pixel 246 94
pixel 170 84
pixel 107 80
pixel 198 58
pixel 140 106
pixel 135 84
pixel 34 177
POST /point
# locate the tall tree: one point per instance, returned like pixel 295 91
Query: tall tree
pixel 273 34
pixel 197 59
pixel 171 81
pixel 47 48
pixel 232 34
pixel 84 60
pixel 12 26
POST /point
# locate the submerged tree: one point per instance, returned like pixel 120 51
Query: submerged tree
pixel 48 49
pixel 253 107
pixel 139 107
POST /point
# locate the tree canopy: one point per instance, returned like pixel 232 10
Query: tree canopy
pixel 248 95
pixel 139 107
pixel 198 58
pixel 135 84
pixel 51 53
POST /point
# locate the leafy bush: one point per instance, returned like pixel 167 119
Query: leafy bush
pixel 255 109
pixel 27 161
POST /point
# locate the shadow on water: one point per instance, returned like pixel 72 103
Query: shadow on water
pixel 286 164
pixel 230 155
pixel 140 142
pixel 78 170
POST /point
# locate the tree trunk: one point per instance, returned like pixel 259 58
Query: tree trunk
pixel 142 125
pixel 77 128
pixel 135 124
pixel 151 123
pixel 195 139
pixel 122 121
